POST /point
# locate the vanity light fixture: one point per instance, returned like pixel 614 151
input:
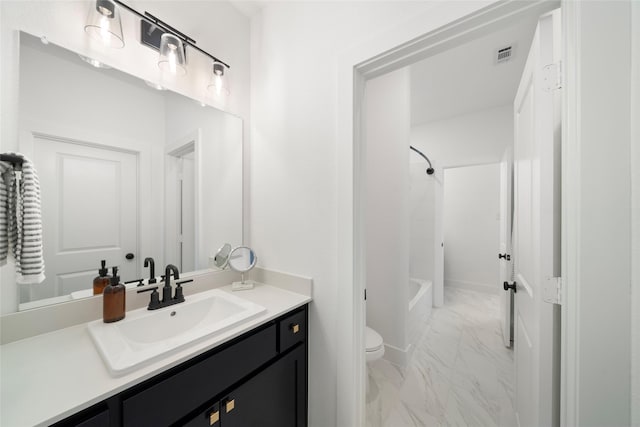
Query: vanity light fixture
pixel 104 24
pixel 218 82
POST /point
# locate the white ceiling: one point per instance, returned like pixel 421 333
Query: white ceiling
pixel 466 78
pixel 248 7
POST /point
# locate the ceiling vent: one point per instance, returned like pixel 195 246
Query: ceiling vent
pixel 503 54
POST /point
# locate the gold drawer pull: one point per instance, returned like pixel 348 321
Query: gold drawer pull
pixel 230 405
pixel 295 328
pixel 214 417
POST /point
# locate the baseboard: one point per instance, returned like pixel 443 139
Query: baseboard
pixel 472 286
pixel 398 356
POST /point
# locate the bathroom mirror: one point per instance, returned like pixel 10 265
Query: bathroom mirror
pixel 126 172
pixel 222 256
pixel 242 259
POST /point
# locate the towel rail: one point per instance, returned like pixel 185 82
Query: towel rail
pixel 12 158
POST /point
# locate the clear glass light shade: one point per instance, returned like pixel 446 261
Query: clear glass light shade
pixel 103 24
pixel 172 57
pixel 218 83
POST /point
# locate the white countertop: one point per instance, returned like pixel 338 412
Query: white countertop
pixel 48 377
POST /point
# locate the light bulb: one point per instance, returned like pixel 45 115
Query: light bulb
pixel 105 33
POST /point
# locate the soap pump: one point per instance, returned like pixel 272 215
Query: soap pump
pixel 113 305
pixel 101 280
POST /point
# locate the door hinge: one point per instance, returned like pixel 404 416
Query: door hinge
pixel 552 77
pixel 552 290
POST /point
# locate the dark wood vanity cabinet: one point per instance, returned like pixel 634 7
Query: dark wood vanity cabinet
pixel 268 399
pixel 258 379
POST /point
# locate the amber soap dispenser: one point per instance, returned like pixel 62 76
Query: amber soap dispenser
pixel 102 279
pixel 113 299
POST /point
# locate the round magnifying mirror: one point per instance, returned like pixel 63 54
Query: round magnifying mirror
pixel 222 256
pixel 242 259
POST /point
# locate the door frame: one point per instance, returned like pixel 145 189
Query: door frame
pixel 190 142
pixel 427 34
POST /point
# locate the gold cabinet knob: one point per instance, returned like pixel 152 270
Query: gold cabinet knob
pixel 295 328
pixel 214 417
pixel 230 405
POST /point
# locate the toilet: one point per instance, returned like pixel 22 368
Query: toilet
pixel 374 348
pixel 374 345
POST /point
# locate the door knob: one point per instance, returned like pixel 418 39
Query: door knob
pixel 504 256
pixel 508 286
pixel 129 256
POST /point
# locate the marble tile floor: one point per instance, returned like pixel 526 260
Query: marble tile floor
pixel 460 374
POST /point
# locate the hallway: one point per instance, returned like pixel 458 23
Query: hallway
pixel 460 373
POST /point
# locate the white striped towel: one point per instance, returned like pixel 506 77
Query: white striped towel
pixel 7 178
pixel 24 223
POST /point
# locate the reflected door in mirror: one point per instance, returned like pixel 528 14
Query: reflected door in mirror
pixel 89 212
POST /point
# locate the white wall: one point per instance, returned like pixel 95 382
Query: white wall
pixel 57 87
pixel 421 221
pixel 475 138
pixel 471 226
pixel 296 47
pixel 386 134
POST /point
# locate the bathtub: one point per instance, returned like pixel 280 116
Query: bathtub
pixel 420 304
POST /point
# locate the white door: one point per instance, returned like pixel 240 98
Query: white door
pixel 89 213
pixel 535 241
pixel 505 261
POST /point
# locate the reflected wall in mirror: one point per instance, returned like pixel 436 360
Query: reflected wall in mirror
pixel 126 172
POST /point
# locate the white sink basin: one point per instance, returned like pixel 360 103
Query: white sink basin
pixel 144 335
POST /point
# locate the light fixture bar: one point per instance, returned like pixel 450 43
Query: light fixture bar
pixel 160 23
pixel 169 29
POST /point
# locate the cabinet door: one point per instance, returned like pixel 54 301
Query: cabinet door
pixel 275 397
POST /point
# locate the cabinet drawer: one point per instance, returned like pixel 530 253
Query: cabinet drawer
pixel 293 329
pixel 168 400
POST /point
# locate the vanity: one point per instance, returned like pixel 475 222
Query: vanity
pixel 257 379
pixel 252 374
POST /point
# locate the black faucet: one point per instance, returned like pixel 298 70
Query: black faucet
pixel 148 262
pixel 167 300
pixel 166 289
